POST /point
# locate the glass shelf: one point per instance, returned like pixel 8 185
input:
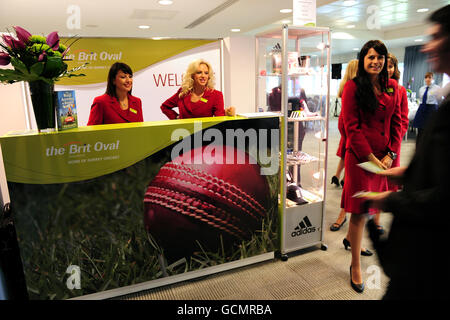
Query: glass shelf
pixel 285 86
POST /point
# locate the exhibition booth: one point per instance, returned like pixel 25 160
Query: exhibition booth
pixel 96 212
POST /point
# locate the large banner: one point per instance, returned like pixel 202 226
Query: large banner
pixel 158 67
pixel 107 207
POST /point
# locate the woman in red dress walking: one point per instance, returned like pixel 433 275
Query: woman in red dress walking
pixel 372 123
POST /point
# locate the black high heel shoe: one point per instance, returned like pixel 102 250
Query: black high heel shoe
pixel 366 252
pixel 335 180
pixel 358 287
pixel 336 226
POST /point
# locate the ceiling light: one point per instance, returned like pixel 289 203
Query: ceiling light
pixel 351 26
pixel 286 10
pixel 144 27
pixel 349 3
pixel 321 46
pixel 165 2
pixel 159 38
pixel 342 36
pixel 355 49
pixel 423 10
pixel 236 30
pixel 418 40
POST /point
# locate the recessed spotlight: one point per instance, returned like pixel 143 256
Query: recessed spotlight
pixel 144 27
pixel 165 2
pixel 321 46
pixel 286 10
pixel 351 26
pixel 423 10
pixel 236 30
pixel 349 3
pixel 418 40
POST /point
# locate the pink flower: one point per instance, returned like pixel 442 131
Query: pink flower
pixel 4 59
pixel 42 56
pixel 8 40
pixel 13 43
pixel 22 34
pixel 53 40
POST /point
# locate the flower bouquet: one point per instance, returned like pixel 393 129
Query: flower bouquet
pixel 40 61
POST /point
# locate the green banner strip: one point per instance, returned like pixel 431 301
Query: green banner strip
pixel 101 53
pixel 89 152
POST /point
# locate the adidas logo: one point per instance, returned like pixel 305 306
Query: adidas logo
pixel 303 227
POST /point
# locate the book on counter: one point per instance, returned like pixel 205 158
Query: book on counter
pixel 66 109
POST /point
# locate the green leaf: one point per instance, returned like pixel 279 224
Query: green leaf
pixel 54 67
pixel 19 65
pixel 37 68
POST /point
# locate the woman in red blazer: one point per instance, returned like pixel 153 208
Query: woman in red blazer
pixel 372 123
pixel 394 73
pixel 197 97
pixel 117 105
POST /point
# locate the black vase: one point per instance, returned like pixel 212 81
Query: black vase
pixel 42 97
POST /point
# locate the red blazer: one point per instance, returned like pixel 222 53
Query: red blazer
pixel 403 99
pixel 372 133
pixel 403 105
pixel 365 134
pixel 210 105
pixel 343 141
pixel 106 110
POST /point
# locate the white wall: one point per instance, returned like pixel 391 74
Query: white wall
pixel 12 112
pixel 239 73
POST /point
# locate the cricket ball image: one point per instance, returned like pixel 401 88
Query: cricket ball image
pixel 194 201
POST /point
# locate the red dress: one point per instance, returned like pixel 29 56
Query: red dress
pixel 106 110
pixel 211 104
pixel 368 133
pixel 342 142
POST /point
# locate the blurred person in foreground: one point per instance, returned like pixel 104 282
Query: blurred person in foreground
pixel 414 256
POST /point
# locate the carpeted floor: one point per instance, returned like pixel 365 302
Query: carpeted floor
pixel 308 274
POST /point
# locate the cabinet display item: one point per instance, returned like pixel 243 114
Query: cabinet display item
pixel 297 86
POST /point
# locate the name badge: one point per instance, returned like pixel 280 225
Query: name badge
pixel 132 110
pixel 203 100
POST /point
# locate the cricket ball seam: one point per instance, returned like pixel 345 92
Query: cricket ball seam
pixel 215 193
pixel 221 184
pixel 176 197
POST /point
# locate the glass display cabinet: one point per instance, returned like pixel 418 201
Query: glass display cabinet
pixel 293 78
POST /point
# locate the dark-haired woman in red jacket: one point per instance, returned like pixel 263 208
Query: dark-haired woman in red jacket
pixel 117 105
pixel 372 125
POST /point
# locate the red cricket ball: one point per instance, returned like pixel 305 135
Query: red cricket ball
pixel 188 203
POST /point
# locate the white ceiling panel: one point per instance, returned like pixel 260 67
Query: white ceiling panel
pixel 121 19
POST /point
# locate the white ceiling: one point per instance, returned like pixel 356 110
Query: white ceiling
pixel 400 23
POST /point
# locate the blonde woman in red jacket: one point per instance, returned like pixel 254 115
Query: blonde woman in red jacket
pixel 197 97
